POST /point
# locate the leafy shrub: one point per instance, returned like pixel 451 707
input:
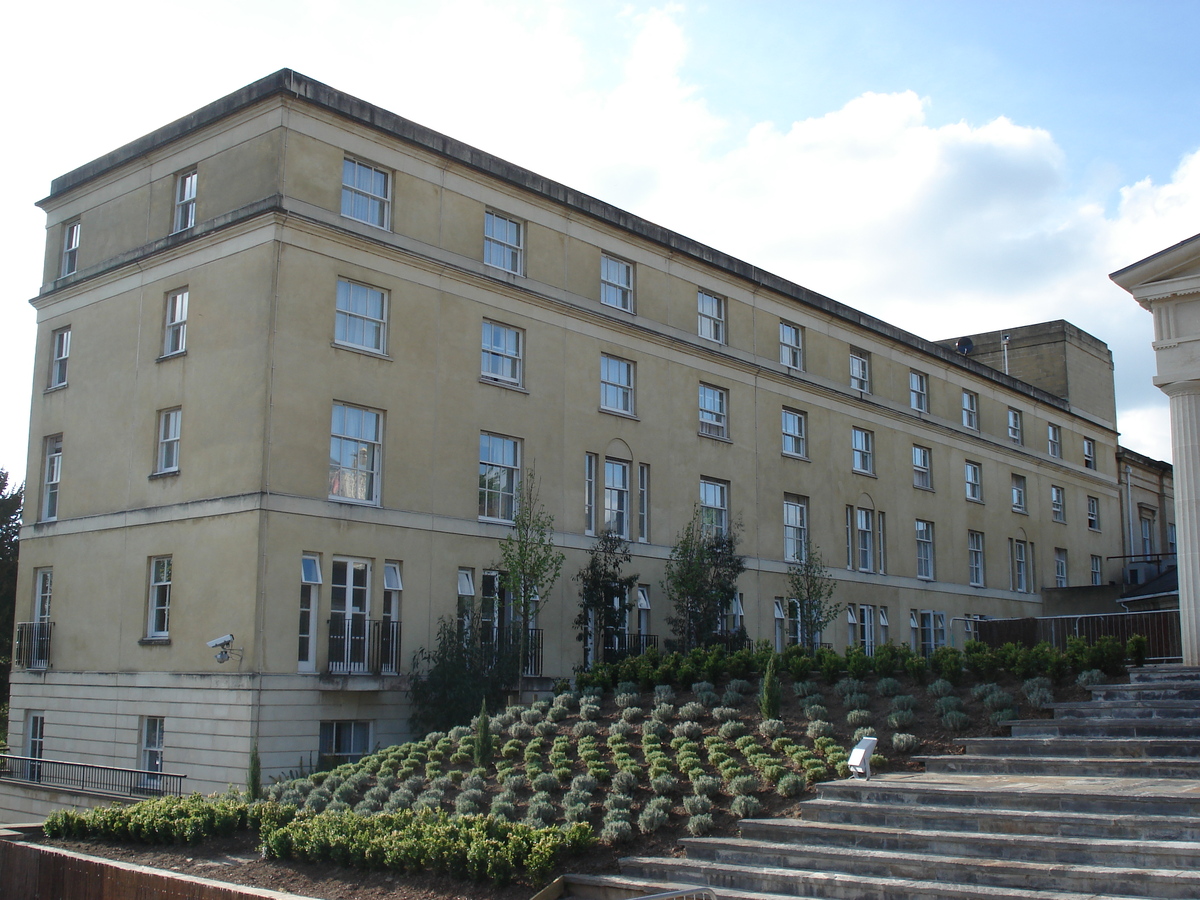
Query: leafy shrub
pixel 616 831
pixel 816 711
pixel 789 785
pixel 998 700
pixel 624 700
pixel 585 783
pixel 664 693
pixel 652 819
pixel 692 711
pixel 981 691
pixel 696 803
pixel 724 714
pixel 819 728
pixel 545 782
pixel 1136 648
pixel 849 686
pixel 743 784
pixel 740 685
pixel 940 688
pixel 708 698
pixel 771 728
pixel 858 700
pixel 744 806
pixel 947 704
pixel 690 730
pixel 705 785
pixel 624 782
pixel 890 658
pixel 664 785
pixel 887 687
pixel 916 668
pixel 1089 677
pixel 905 743
pixel 955 720
pixel 732 729
pixel 806 689
pixel 858 717
pixel 904 702
pixel 584 728
pixel 700 824
pixel 947 664
pixel 663 712
pixel 1003 715
pixel 732 698
pixel 901 718
pixel 621 728
pixel 864 732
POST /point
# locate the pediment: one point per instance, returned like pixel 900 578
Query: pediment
pixel 1171 272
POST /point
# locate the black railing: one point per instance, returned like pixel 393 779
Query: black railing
pixel 620 644
pixel 32 650
pixel 362 646
pixel 1159 627
pixel 86 777
pixel 508 640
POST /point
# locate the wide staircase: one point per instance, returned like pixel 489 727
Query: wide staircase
pixel 1103 800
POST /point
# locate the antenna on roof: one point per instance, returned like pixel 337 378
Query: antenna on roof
pixel 964 345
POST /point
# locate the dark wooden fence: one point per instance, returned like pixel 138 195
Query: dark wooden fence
pixel 1160 628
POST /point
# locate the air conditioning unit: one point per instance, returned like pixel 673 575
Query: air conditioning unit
pixel 1140 572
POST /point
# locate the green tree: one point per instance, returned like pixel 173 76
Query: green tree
pixel 10 526
pixel 701 581
pixel 529 561
pixel 812 603
pixel 603 592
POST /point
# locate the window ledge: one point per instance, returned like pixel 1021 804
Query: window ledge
pixel 923 487
pixel 507 385
pixel 865 473
pixel 167 356
pixel 628 312
pixel 619 413
pixel 350 501
pixel 787 455
pixel 387 227
pixel 364 351
pixel 490 521
pixel 715 437
pixel 170 474
pixel 155 641
pixel 974 500
pixel 55 387
pixel 1020 512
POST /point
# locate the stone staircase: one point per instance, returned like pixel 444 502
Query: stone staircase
pixel 1103 800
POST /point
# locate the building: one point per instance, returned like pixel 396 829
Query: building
pixel 290 271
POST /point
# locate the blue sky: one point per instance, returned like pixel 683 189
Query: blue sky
pixel 946 166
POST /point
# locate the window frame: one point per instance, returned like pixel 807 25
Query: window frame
pixel 797 437
pixel 175 317
pixel 795 527
pixel 152 745
pixel 358 737
pixel 714 517
pixel 310 605
pixel 352 313
pixel 918 391
pixel 1061 571
pixel 922 459
pixel 509 466
pixel 1089 453
pixel 1020 494
pixel 791 346
pixel 925 550
pixel 970 410
pixel 1058 504
pixel 862 444
pixel 360 476
pixel 162 581
pixel 51 477
pixel 186 188
pixel 1020 566
pixel 864 537
pixel 1093 513
pixel 500 251
pixel 615 290
pixel 714 415
pixel 591 466
pixel 643 503
pixel 712 313
pixel 496 356
pixel 976 560
pixel 622 391
pixel 69 260
pixel 860 370
pixel 1054 440
pixel 1015 426
pixel 973 487
pixel 166 456
pixel 1096 569
pixel 616 496
pixel 60 356
pixel 354 191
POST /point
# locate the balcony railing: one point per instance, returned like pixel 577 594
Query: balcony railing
pixel 1159 627
pixel 620 644
pixel 509 640
pixel 362 646
pixel 32 650
pixel 85 777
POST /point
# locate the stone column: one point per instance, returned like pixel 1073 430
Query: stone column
pixel 1185 448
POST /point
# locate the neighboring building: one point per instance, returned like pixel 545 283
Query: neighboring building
pixel 295 353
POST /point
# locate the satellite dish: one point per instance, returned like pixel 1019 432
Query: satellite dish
pixel 964 345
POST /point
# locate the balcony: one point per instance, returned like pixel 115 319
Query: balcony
pixel 620 644
pixel 32 650
pixel 110 780
pixel 508 640
pixel 362 646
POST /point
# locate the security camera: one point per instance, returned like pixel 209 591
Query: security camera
pixel 222 656
pixel 223 641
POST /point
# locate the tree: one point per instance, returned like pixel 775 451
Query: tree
pixel 10 527
pixel 603 592
pixel 701 581
pixel 811 590
pixel 529 561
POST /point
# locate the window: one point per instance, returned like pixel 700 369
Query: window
pixel 1018 493
pixel 918 391
pixel 714 420
pixel 167 458
pixel 1093 513
pixel 1089 453
pixel 867 626
pixel 60 352
pixel 795 441
pixel 52 475
pixel 1096 570
pixel 499 475
pixel 795 527
pixel 344 742
pixel 975 558
pixel 1058 503
pixel 710 316
pixel 355 454
pixel 1170 538
pixel 616 384
pixel 791 345
pixel 1054 441
pixel 35 741
pixel 860 370
pixel 1146 525
pixel 502 353
pixel 310 587
pixel 185 201
pixel 922 459
pixel 365 194
pixel 1014 425
pixel 349 607
pixel 389 636
pixel 70 254
pixel 152 744
pixel 502 244
pixel 1060 567
pixel 361 319
pixel 43 580
pixel 1020 566
pixel 616 497
pixel 863 442
pixel 643 503
pixel 973 476
pixel 175 323
pixel 864 522
pixel 616 283
pixel 714 506
pixel 590 464
pixel 733 619
pixel 970 410
pixel 643 609
pixel 159 620
pixel 928 627
pixel 924 550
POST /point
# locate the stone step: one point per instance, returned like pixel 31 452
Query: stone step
pixel 1164 673
pixel 1015 822
pixel 1176 883
pixel 1115 796
pixel 1126 709
pixel 1149 690
pixel 1074 747
pixel 976 844
pixel 1128 728
pixel 1063 766
pixel 771 881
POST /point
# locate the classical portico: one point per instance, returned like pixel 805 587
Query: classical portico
pixel 1168 285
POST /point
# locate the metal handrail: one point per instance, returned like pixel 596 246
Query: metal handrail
pixel 87 777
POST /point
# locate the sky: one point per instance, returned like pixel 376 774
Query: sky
pixel 950 167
